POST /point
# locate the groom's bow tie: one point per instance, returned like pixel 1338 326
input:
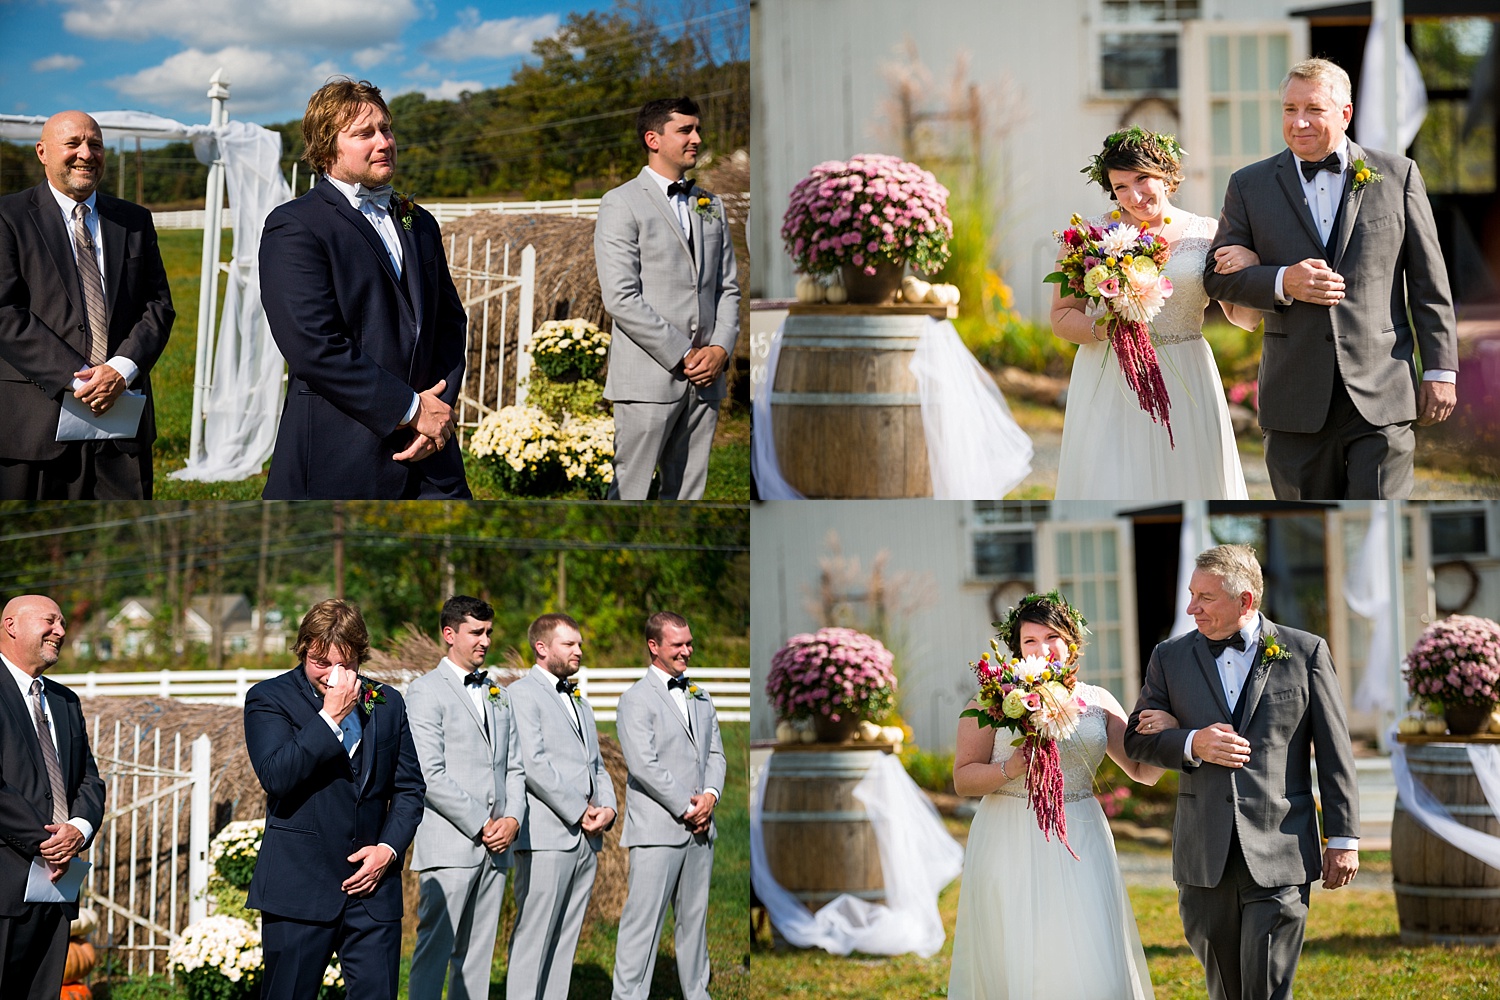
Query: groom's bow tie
pixel 1216 647
pixel 683 187
pixel 476 678
pixel 680 683
pixel 380 196
pixel 566 687
pixel 1329 163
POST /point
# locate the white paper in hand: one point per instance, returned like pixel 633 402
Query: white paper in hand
pixel 77 422
pixel 336 676
pixel 41 889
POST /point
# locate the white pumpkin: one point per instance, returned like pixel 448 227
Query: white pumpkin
pixel 809 289
pixel 836 294
pixel 808 736
pixel 1435 727
pixel 1495 721
pixel 914 289
pixel 786 732
pixel 1410 725
pixel 892 734
pixel 868 730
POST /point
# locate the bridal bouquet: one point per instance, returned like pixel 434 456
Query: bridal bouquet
pixel 1122 266
pixel 1034 698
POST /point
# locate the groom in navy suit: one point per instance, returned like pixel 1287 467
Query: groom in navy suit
pixel 361 304
pixel 344 794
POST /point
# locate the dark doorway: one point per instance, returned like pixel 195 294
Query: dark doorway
pixel 1158 596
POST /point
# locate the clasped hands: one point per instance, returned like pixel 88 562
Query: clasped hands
pixel 102 385
pixel 60 848
pixel 372 861
pixel 596 819
pixel 702 365
pixel 700 812
pixel 498 833
pixel 431 427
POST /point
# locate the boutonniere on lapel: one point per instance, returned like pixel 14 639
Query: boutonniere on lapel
pixel 704 206
pixel 696 692
pixel 1364 174
pixel 370 695
pixel 404 208
pixel 1271 648
pixel 495 695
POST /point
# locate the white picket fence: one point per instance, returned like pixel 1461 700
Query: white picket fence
pixel 729 686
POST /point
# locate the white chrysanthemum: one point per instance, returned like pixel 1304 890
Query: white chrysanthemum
pixel 1119 239
pixel 1140 304
pixel 1029 671
pixel 225 944
pixel 521 436
pixel 1058 716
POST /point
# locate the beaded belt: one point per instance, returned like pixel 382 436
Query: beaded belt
pixel 1021 793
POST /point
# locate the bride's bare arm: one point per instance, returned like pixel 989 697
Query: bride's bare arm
pixel 1070 322
pixel 973 774
pixel 1228 260
pixel 1146 774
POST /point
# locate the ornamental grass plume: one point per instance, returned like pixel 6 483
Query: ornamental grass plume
pixel 834 673
pixel 1456 661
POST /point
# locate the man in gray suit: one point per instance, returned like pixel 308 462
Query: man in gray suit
pixel 467 741
pixel 669 732
pixel 570 802
pixel 1347 246
pixel 1253 700
pixel 669 280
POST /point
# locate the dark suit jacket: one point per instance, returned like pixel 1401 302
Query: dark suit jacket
pixel 319 808
pixel 1385 245
pixel 358 341
pixel 26 794
pixel 1293 706
pixel 43 337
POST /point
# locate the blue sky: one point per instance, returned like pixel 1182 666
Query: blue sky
pixel 158 55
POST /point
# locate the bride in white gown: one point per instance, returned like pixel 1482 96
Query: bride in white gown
pixel 1033 922
pixel 1111 448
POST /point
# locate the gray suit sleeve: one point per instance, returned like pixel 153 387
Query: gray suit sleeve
pixel 637 728
pixel 542 779
pixel 604 786
pixel 1427 293
pixel 515 774
pixel 617 255
pixel 424 713
pixel 1254 286
pixel 1164 749
pixel 718 765
pixel 727 315
pixel 1337 782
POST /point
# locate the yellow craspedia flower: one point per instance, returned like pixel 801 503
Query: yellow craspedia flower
pixel 1273 650
pixel 1075 220
pixel 703 202
pixel 1127 259
pixel 1166 221
pixel 1110 261
pixel 1115 214
pixel 1362 176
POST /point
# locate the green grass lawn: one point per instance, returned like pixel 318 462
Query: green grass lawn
pixel 1352 952
pixel 728 916
pixel 172 381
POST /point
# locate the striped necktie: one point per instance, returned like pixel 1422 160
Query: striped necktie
pixel 93 285
pixel 49 754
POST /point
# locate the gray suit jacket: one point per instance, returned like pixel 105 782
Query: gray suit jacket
pixel 663 300
pixel 471 778
pixel 560 767
pixel 667 766
pixel 1385 245
pixel 1293 707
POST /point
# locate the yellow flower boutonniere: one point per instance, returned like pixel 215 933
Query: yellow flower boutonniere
pixel 494 693
pixel 1364 174
pixel 694 691
pixel 704 206
pixel 1271 648
pixel 370 695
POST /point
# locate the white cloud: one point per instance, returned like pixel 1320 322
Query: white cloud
pixel 259 81
pixel 56 62
pixel 375 55
pixel 448 90
pixel 473 38
pixel 337 23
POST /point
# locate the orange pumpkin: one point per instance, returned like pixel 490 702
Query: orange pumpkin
pixel 76 991
pixel 80 962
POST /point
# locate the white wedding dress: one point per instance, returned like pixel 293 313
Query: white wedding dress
pixel 1111 449
pixel 1033 923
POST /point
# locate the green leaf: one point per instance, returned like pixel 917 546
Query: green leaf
pixel 1056 278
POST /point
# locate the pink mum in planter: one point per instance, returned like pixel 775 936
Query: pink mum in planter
pixel 832 673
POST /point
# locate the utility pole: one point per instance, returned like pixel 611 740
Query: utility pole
pixel 562 580
pixel 338 549
pixel 261 604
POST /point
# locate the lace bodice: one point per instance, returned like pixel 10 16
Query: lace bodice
pixel 1080 753
pixel 1181 318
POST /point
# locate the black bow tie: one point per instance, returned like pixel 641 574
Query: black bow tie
pixel 680 683
pixel 566 687
pixel 1329 163
pixel 683 187
pixel 476 678
pixel 1217 646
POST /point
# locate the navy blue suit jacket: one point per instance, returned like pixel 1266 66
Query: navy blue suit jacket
pixel 319 808
pixel 358 341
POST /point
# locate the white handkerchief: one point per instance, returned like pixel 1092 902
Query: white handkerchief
pixel 78 423
pixel 41 889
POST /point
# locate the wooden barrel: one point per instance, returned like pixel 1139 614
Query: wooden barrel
pixel 818 838
pixel 845 413
pixel 1444 896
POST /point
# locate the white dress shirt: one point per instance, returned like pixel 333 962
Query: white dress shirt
pixel 679 698
pixel 679 202
pixel 23 681
pixel 128 369
pixel 1322 194
pixel 476 694
pixel 1234 671
pixel 550 679
pixel 385 227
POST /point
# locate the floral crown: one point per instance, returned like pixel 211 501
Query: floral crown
pixel 1159 146
pixel 1010 628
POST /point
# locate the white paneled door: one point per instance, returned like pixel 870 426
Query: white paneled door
pixel 1093 564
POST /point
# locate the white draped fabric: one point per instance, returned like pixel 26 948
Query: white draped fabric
pixel 917 856
pixel 243 406
pixel 1429 812
pixel 1367 589
pixel 1192 541
pixel 975 448
pixel 1369 106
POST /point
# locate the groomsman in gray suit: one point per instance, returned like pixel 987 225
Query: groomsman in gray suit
pixel 668 276
pixel 1254 700
pixel 670 734
pixel 467 741
pixel 569 804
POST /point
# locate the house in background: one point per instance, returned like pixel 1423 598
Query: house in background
pixel 930 576
pixel 1063 75
pixel 141 625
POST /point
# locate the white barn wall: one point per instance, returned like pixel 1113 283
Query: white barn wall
pixel 818 82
